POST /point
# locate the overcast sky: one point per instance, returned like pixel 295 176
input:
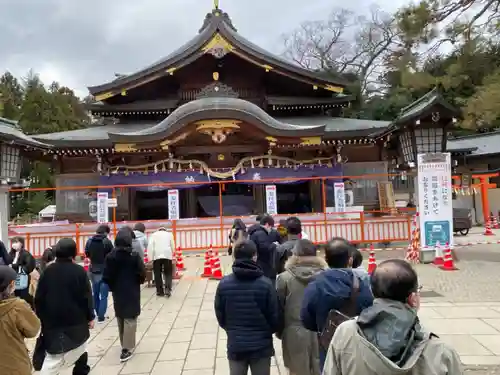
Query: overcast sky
pixel 83 43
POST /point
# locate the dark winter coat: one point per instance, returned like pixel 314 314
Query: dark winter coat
pixel 283 252
pixel 266 249
pixel 65 306
pixel 96 249
pixel 331 290
pixel 246 306
pixel 124 272
pixel 5 258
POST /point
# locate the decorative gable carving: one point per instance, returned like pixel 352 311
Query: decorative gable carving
pixel 217 89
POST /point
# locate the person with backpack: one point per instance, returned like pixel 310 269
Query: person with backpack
pixel 96 249
pixel 388 338
pixel 140 242
pixel 284 251
pixel 336 289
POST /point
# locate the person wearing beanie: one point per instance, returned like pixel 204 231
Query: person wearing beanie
pixel 17 322
pixel 64 304
pixel 124 272
pixel 300 346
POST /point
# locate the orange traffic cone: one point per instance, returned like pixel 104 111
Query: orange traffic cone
pixel 207 271
pixel 216 268
pixel 448 264
pixel 372 263
pixel 86 264
pixel 495 223
pixel 180 260
pixel 177 274
pixel 438 257
pixel 487 228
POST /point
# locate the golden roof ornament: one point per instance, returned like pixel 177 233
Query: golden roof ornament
pixel 216 4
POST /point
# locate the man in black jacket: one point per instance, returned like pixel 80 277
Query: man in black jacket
pixel 124 272
pixel 64 304
pixel 96 249
pixel 265 238
pixel 246 306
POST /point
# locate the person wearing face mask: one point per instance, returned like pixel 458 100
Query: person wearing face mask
pixel 266 239
pixel 24 264
pixel 17 323
pixel 387 338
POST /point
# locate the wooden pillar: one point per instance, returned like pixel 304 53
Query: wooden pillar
pixel 484 198
pixel 191 202
pixel 259 199
pixel 315 194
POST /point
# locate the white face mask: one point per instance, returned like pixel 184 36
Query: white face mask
pixel 17 246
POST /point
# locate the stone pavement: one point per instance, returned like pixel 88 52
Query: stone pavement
pixel 180 335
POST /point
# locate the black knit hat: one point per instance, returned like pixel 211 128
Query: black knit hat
pixel 7 275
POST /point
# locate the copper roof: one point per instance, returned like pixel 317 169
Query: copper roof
pixel 215 22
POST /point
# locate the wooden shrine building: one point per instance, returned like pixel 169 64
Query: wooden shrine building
pixel 222 108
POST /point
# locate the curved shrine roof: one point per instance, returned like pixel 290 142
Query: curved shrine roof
pixel 9 131
pixel 220 108
pixel 215 22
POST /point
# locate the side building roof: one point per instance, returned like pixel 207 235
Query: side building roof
pixel 9 131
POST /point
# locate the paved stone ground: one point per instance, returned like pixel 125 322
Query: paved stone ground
pixel 180 335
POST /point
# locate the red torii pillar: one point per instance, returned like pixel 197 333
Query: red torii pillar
pixel 484 185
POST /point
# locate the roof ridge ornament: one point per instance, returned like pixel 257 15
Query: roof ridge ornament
pixel 217 89
pixel 217 16
pixel 216 4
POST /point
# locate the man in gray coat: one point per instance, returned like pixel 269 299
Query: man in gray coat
pixel 140 242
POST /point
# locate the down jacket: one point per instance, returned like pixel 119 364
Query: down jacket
pixel 246 306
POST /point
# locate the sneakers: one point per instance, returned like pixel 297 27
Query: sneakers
pixel 102 321
pixel 125 356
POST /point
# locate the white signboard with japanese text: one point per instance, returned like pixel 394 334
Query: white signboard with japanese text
pixel 102 207
pixel 271 200
pixel 173 205
pixel 435 199
pixel 339 191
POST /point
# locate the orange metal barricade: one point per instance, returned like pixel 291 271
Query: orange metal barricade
pixel 200 233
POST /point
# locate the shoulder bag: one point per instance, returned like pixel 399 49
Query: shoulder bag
pixel 337 317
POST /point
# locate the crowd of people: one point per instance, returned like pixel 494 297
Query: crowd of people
pixel 59 302
pixel 331 316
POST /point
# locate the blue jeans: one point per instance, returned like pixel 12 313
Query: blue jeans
pixel 100 290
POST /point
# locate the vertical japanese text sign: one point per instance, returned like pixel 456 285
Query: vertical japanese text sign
pixel 102 207
pixel 339 191
pixel 173 205
pixel 434 199
pixel 271 200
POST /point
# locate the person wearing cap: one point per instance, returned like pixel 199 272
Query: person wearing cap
pixel 17 323
pixel 65 306
pixel 300 346
pixel 161 249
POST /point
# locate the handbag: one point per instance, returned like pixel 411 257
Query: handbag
pixel 39 353
pixel 22 280
pixel 337 317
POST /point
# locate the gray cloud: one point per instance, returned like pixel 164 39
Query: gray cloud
pixel 83 43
